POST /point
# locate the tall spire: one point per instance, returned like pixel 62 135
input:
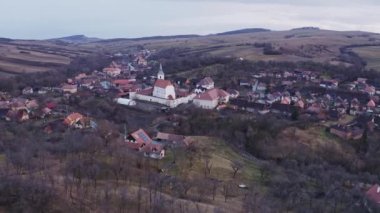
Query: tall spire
pixel 161 74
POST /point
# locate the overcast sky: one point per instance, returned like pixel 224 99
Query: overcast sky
pixel 38 19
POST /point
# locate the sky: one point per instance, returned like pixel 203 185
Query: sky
pixel 42 19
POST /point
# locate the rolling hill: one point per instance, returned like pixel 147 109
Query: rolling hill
pixel 29 56
pixel 301 44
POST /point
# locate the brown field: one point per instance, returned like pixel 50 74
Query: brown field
pixel 23 56
pixel 297 45
pixel 371 55
pixel 17 57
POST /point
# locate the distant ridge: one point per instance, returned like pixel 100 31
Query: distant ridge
pixel 306 28
pixel 248 30
pixel 78 39
pixel 149 38
pixel 5 40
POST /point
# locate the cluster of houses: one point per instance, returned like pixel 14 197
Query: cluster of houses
pixel 154 148
pixel 22 109
pixel 170 94
pixel 308 94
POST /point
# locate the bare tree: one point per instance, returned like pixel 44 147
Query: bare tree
pixel 207 165
pixel 236 167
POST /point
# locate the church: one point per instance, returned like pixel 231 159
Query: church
pixel 163 92
pixel 163 88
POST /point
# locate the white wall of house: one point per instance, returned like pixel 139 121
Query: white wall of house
pixel 170 103
pixel 205 104
pixel 164 92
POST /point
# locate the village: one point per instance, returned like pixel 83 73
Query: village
pixel 289 95
pixel 348 110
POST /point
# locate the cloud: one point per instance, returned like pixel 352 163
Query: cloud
pixel 135 18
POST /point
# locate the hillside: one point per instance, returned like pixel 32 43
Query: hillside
pixel 302 44
pixel 76 39
pixel 29 56
pixel 294 45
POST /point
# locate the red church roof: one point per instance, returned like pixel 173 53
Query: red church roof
pixel 162 83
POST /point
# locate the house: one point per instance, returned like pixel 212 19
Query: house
pixel 244 83
pixel 347 132
pixel 154 150
pixel 206 83
pixel 88 82
pixel 18 103
pixel 27 91
pixel 125 101
pixel 140 141
pixel 43 90
pixel 32 105
pixel 172 139
pixel 261 87
pixel 70 88
pixel 75 120
pixel 233 93
pixel 330 84
pixel 370 90
pixel 371 104
pixel 4 96
pixel 141 61
pixel 111 71
pixel 163 92
pixel 373 194
pixel 4 105
pixel 250 106
pixel 106 85
pixel 211 98
pixel 361 80
pixel 300 104
pixel 122 82
pixel 285 100
pixel 19 115
pixel 80 76
pixel 164 89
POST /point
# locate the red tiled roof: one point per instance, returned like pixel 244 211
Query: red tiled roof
pixel 162 83
pixel 141 137
pixel 212 94
pixel 371 103
pixel 374 193
pixel 148 91
pixel 69 86
pixel 111 70
pixel 170 137
pixel 73 118
pixel 122 81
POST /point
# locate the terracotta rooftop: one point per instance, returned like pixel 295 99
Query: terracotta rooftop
pixel 72 118
pixel 373 194
pixel 212 94
pixel 148 91
pixel 141 137
pixel 162 83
